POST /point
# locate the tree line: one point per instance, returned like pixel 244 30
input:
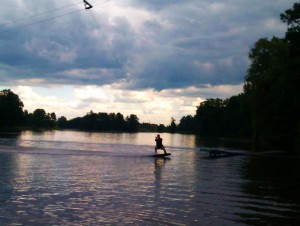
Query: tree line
pixel 13 116
pixel 219 118
pixel 101 122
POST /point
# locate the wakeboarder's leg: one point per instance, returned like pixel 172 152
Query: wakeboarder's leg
pixel 164 150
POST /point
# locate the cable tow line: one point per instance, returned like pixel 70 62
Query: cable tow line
pixel 87 5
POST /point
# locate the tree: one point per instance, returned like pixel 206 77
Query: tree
pixel 62 122
pixel 187 124
pixel 132 123
pixel 209 117
pixel 51 119
pixel 89 121
pixel 237 117
pixel 271 87
pixel 160 128
pixel 102 121
pixel 119 122
pixel 269 94
pixel 292 36
pixel 39 118
pixel 74 123
pixel 11 109
pixel 172 126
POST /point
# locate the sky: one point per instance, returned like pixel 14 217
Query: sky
pixel 156 59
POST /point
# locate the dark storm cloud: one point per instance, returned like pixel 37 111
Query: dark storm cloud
pixel 72 50
pixel 204 42
pixel 151 44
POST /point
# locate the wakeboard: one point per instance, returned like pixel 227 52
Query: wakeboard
pixel 161 155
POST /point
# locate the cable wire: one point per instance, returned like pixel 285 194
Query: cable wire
pixel 47 19
pixel 39 14
pixel 40 21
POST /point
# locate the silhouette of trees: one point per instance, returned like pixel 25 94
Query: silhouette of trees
pixel 12 114
pixel 237 117
pixel 11 109
pixel 271 86
pixel 160 128
pixel 132 123
pixel 292 37
pixel 172 127
pixel 101 122
pixel 209 117
pixel 268 92
pixel 39 119
pixel 62 122
pixel 187 124
pixel 292 18
pixel 218 117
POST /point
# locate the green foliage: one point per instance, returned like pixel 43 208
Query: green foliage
pixel 217 117
pixel 267 91
pixel 172 128
pixel 186 124
pixel 62 122
pixel 11 109
pixel 237 116
pixel 12 115
pixel 101 122
pixel 132 123
pixel 160 128
pixel 39 119
pixel 271 87
pixel 292 17
pixel 209 117
pixel 147 127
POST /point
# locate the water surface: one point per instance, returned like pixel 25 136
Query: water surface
pixel 79 178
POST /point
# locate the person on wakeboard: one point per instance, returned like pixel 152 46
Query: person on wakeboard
pixel 159 144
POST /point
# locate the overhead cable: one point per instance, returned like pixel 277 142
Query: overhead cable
pixel 38 14
pixel 45 19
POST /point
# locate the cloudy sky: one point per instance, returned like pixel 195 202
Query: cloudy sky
pixel 157 59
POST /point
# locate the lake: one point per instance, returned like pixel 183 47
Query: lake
pixel 80 178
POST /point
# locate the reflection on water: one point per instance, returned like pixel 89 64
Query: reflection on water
pixel 230 143
pixel 76 178
pixel 272 181
pixel 6 185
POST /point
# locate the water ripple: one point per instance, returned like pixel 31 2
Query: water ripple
pixel 77 183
